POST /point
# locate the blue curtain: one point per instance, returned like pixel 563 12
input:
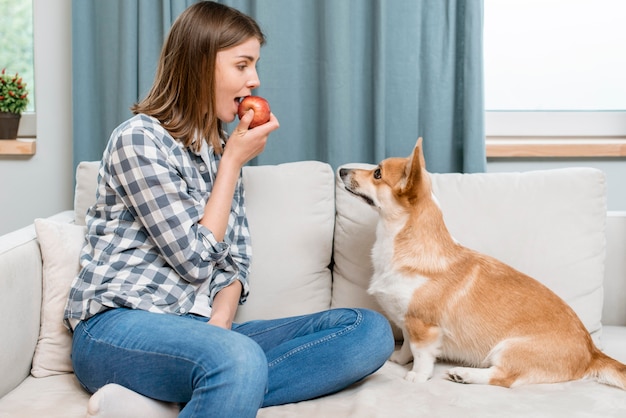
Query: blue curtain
pixel 349 80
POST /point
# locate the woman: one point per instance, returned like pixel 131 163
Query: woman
pixel 168 248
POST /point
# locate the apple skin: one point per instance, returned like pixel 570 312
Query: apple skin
pixel 261 109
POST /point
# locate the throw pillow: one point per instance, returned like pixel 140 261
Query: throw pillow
pixel 291 213
pixel 60 244
pixel 86 186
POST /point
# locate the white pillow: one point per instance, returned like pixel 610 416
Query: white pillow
pixel 60 244
pixel 355 232
pixel 548 224
pixel 291 213
pixel 85 191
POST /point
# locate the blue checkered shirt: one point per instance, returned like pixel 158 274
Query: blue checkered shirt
pixel 145 248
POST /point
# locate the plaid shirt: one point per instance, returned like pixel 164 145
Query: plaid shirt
pixel 144 247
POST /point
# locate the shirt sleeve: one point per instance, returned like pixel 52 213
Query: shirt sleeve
pixel 159 194
pixel 236 263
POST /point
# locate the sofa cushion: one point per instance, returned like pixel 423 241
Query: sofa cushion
pixel 614 308
pixel 60 245
pixel 386 394
pixel 85 192
pixel 291 213
pixel 548 224
pixel 59 396
pixel 355 232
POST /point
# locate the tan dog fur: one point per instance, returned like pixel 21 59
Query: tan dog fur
pixel 453 303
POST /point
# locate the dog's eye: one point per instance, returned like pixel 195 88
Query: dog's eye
pixel 377 174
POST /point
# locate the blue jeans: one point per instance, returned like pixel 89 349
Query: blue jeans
pixel 215 372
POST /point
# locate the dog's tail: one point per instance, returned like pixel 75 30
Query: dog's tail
pixel 607 370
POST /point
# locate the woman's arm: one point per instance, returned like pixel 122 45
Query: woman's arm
pixel 225 305
pixel 242 146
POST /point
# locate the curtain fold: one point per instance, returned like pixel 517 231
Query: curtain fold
pixel 350 81
pixel 115 49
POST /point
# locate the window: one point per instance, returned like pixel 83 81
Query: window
pixel 16 52
pixel 554 77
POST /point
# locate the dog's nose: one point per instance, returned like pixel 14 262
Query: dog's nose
pixel 343 172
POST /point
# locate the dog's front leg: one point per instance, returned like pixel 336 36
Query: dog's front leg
pixel 426 348
pixel 404 355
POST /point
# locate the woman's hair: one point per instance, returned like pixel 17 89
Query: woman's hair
pixel 182 97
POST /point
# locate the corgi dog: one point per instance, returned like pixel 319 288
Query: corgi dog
pixel 452 303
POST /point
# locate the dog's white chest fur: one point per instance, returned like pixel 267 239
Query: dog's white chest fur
pixel 392 289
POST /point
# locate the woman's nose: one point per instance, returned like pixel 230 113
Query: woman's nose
pixel 254 82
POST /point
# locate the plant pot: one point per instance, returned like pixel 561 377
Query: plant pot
pixel 9 123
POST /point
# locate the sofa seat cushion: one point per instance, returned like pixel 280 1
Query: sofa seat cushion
pixel 383 394
pixel 386 394
pixel 57 396
pixel 548 224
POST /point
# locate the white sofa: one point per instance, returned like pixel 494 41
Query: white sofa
pixel 311 242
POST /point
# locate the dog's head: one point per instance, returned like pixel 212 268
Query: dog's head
pixel 396 183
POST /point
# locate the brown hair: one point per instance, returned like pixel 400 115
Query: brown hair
pixel 182 96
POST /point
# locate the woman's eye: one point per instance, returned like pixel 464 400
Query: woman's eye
pixel 377 174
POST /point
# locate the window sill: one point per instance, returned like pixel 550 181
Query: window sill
pixel 517 147
pixel 22 146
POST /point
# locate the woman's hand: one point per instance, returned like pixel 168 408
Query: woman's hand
pixel 244 144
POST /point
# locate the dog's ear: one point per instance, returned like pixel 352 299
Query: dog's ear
pixel 415 164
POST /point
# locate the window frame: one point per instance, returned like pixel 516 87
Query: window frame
pixel 28 125
pixel 550 133
pixel 555 134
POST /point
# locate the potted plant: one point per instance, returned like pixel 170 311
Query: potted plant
pixel 13 101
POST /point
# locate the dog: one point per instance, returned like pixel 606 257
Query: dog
pixel 452 303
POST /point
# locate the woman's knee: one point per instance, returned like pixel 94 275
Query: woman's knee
pixel 244 363
pixel 377 335
pixel 369 337
pixel 235 378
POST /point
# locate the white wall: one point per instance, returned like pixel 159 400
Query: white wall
pixel 42 185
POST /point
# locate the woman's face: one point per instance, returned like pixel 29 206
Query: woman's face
pixel 235 77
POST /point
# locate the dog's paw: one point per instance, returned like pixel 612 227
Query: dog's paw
pixel 400 357
pixel 470 375
pixel 414 377
pixel 456 375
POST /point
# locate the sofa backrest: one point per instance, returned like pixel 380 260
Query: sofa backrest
pixel 548 224
pixel 291 213
pixel 614 306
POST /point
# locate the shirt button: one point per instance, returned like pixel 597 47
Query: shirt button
pixel 202 167
pixel 182 310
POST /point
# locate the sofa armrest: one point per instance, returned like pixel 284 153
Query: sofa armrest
pixel 20 301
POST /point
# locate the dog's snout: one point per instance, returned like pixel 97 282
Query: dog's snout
pixel 343 172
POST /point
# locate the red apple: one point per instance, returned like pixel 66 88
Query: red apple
pixel 261 110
